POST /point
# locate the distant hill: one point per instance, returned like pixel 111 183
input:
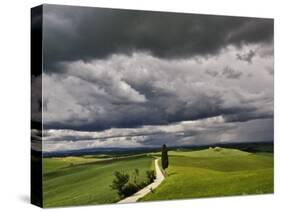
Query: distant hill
pixel 211 152
pixel 266 146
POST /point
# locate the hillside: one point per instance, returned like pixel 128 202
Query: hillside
pixel 215 172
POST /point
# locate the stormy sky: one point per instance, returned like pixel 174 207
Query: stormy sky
pixel 124 78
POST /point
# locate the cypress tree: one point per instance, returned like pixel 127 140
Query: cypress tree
pixel 164 157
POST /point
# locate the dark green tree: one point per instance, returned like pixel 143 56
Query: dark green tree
pixel 150 175
pixel 164 157
pixel 119 183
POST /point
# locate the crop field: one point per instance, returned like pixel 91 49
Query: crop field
pixel 215 172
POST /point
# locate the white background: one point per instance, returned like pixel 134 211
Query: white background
pixel 15 103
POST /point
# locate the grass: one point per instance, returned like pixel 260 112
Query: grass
pixel 83 180
pixel 215 172
pixel 86 180
pixel 55 163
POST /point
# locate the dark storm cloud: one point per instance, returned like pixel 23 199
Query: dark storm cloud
pixel 75 136
pixel 172 134
pixel 253 30
pixel 73 33
pixel 152 112
pixel 132 91
pixel 246 116
pixel 158 140
pixel 134 78
pixel 208 131
pixel 159 109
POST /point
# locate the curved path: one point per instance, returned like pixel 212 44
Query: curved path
pixel 141 193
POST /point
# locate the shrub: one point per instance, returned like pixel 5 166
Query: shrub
pixel 143 184
pixel 150 175
pixel 125 188
pixel 129 189
pixel 119 182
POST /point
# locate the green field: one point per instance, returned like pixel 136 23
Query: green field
pixel 215 172
pixel 211 172
pixel 86 180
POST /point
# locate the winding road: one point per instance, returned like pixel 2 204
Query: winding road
pixel 141 193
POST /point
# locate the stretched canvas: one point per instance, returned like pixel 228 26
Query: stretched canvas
pixel 135 106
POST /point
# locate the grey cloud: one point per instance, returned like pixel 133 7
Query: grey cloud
pixel 266 51
pixel 104 113
pixel 253 30
pixel 246 116
pixel 146 135
pixel 135 78
pixel 36 99
pixel 252 130
pixel 248 57
pixel 72 33
pixel 270 70
pixel 231 73
pixel 206 131
pixel 158 140
pixel 152 95
pixel 212 73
